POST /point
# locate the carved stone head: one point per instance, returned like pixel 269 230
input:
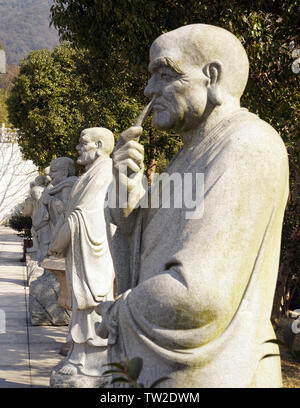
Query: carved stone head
pixel 193 69
pixel 94 142
pixel 60 169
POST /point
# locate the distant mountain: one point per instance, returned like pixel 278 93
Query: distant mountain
pixel 24 26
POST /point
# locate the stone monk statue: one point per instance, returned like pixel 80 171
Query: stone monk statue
pixel 83 240
pixel 35 208
pixel 195 302
pixel 56 197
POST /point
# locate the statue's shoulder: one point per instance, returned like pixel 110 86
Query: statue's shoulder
pixel 66 183
pixel 255 137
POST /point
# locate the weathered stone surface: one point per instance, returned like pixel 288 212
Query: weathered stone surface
pixel 49 195
pixel 34 271
pixel 44 309
pixel 58 267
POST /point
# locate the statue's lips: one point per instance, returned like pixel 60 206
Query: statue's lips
pixel 158 107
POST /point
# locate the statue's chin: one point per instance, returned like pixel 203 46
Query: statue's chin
pixel 162 124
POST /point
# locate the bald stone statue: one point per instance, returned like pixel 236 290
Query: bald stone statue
pixel 62 174
pixel 82 239
pixel 43 306
pixel 196 299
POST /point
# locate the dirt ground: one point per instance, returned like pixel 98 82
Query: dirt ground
pixel 290 368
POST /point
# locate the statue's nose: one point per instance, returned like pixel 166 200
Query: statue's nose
pixel 151 88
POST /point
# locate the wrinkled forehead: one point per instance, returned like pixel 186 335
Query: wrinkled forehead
pixel 174 51
pixel 84 137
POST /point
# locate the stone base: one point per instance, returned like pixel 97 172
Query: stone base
pixel 58 380
pixel 44 309
pixel 34 271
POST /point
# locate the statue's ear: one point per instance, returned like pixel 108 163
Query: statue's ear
pixel 98 144
pixel 214 72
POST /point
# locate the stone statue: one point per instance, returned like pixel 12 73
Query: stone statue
pixel 62 174
pixel 36 209
pixel 82 239
pixel 44 307
pixel 196 300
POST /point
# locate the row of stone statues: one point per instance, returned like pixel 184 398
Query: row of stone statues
pixel 194 291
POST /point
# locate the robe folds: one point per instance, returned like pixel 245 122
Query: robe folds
pixel 199 303
pixel 89 267
pixel 56 198
pixel 91 264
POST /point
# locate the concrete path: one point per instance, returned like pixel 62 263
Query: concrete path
pixel 27 354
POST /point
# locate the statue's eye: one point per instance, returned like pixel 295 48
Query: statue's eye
pixel 165 76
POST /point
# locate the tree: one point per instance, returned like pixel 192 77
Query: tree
pixel 5 86
pixel 3 108
pixel 268 29
pixel 56 95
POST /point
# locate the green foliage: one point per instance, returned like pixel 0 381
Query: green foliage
pixel 5 86
pixel 24 26
pixel 295 354
pixel 128 371
pixel 3 108
pixel 57 94
pixel 264 27
pixel 20 223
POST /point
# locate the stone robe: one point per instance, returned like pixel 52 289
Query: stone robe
pixel 89 266
pixel 200 291
pixel 57 201
pixel 40 225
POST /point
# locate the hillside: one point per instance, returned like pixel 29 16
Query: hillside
pixel 24 26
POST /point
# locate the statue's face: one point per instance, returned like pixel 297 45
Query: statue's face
pixel 180 94
pixel 87 149
pixel 57 173
pixel 36 193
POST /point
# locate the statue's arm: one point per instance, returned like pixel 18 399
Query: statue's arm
pixel 62 240
pixel 66 195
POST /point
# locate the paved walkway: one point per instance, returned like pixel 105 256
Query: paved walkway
pixel 27 353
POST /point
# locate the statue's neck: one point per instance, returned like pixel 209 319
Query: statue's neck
pixel 214 117
pixel 98 159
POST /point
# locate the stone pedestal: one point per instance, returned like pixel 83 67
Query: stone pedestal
pixel 44 309
pixel 34 271
pixel 58 267
pixel 58 380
